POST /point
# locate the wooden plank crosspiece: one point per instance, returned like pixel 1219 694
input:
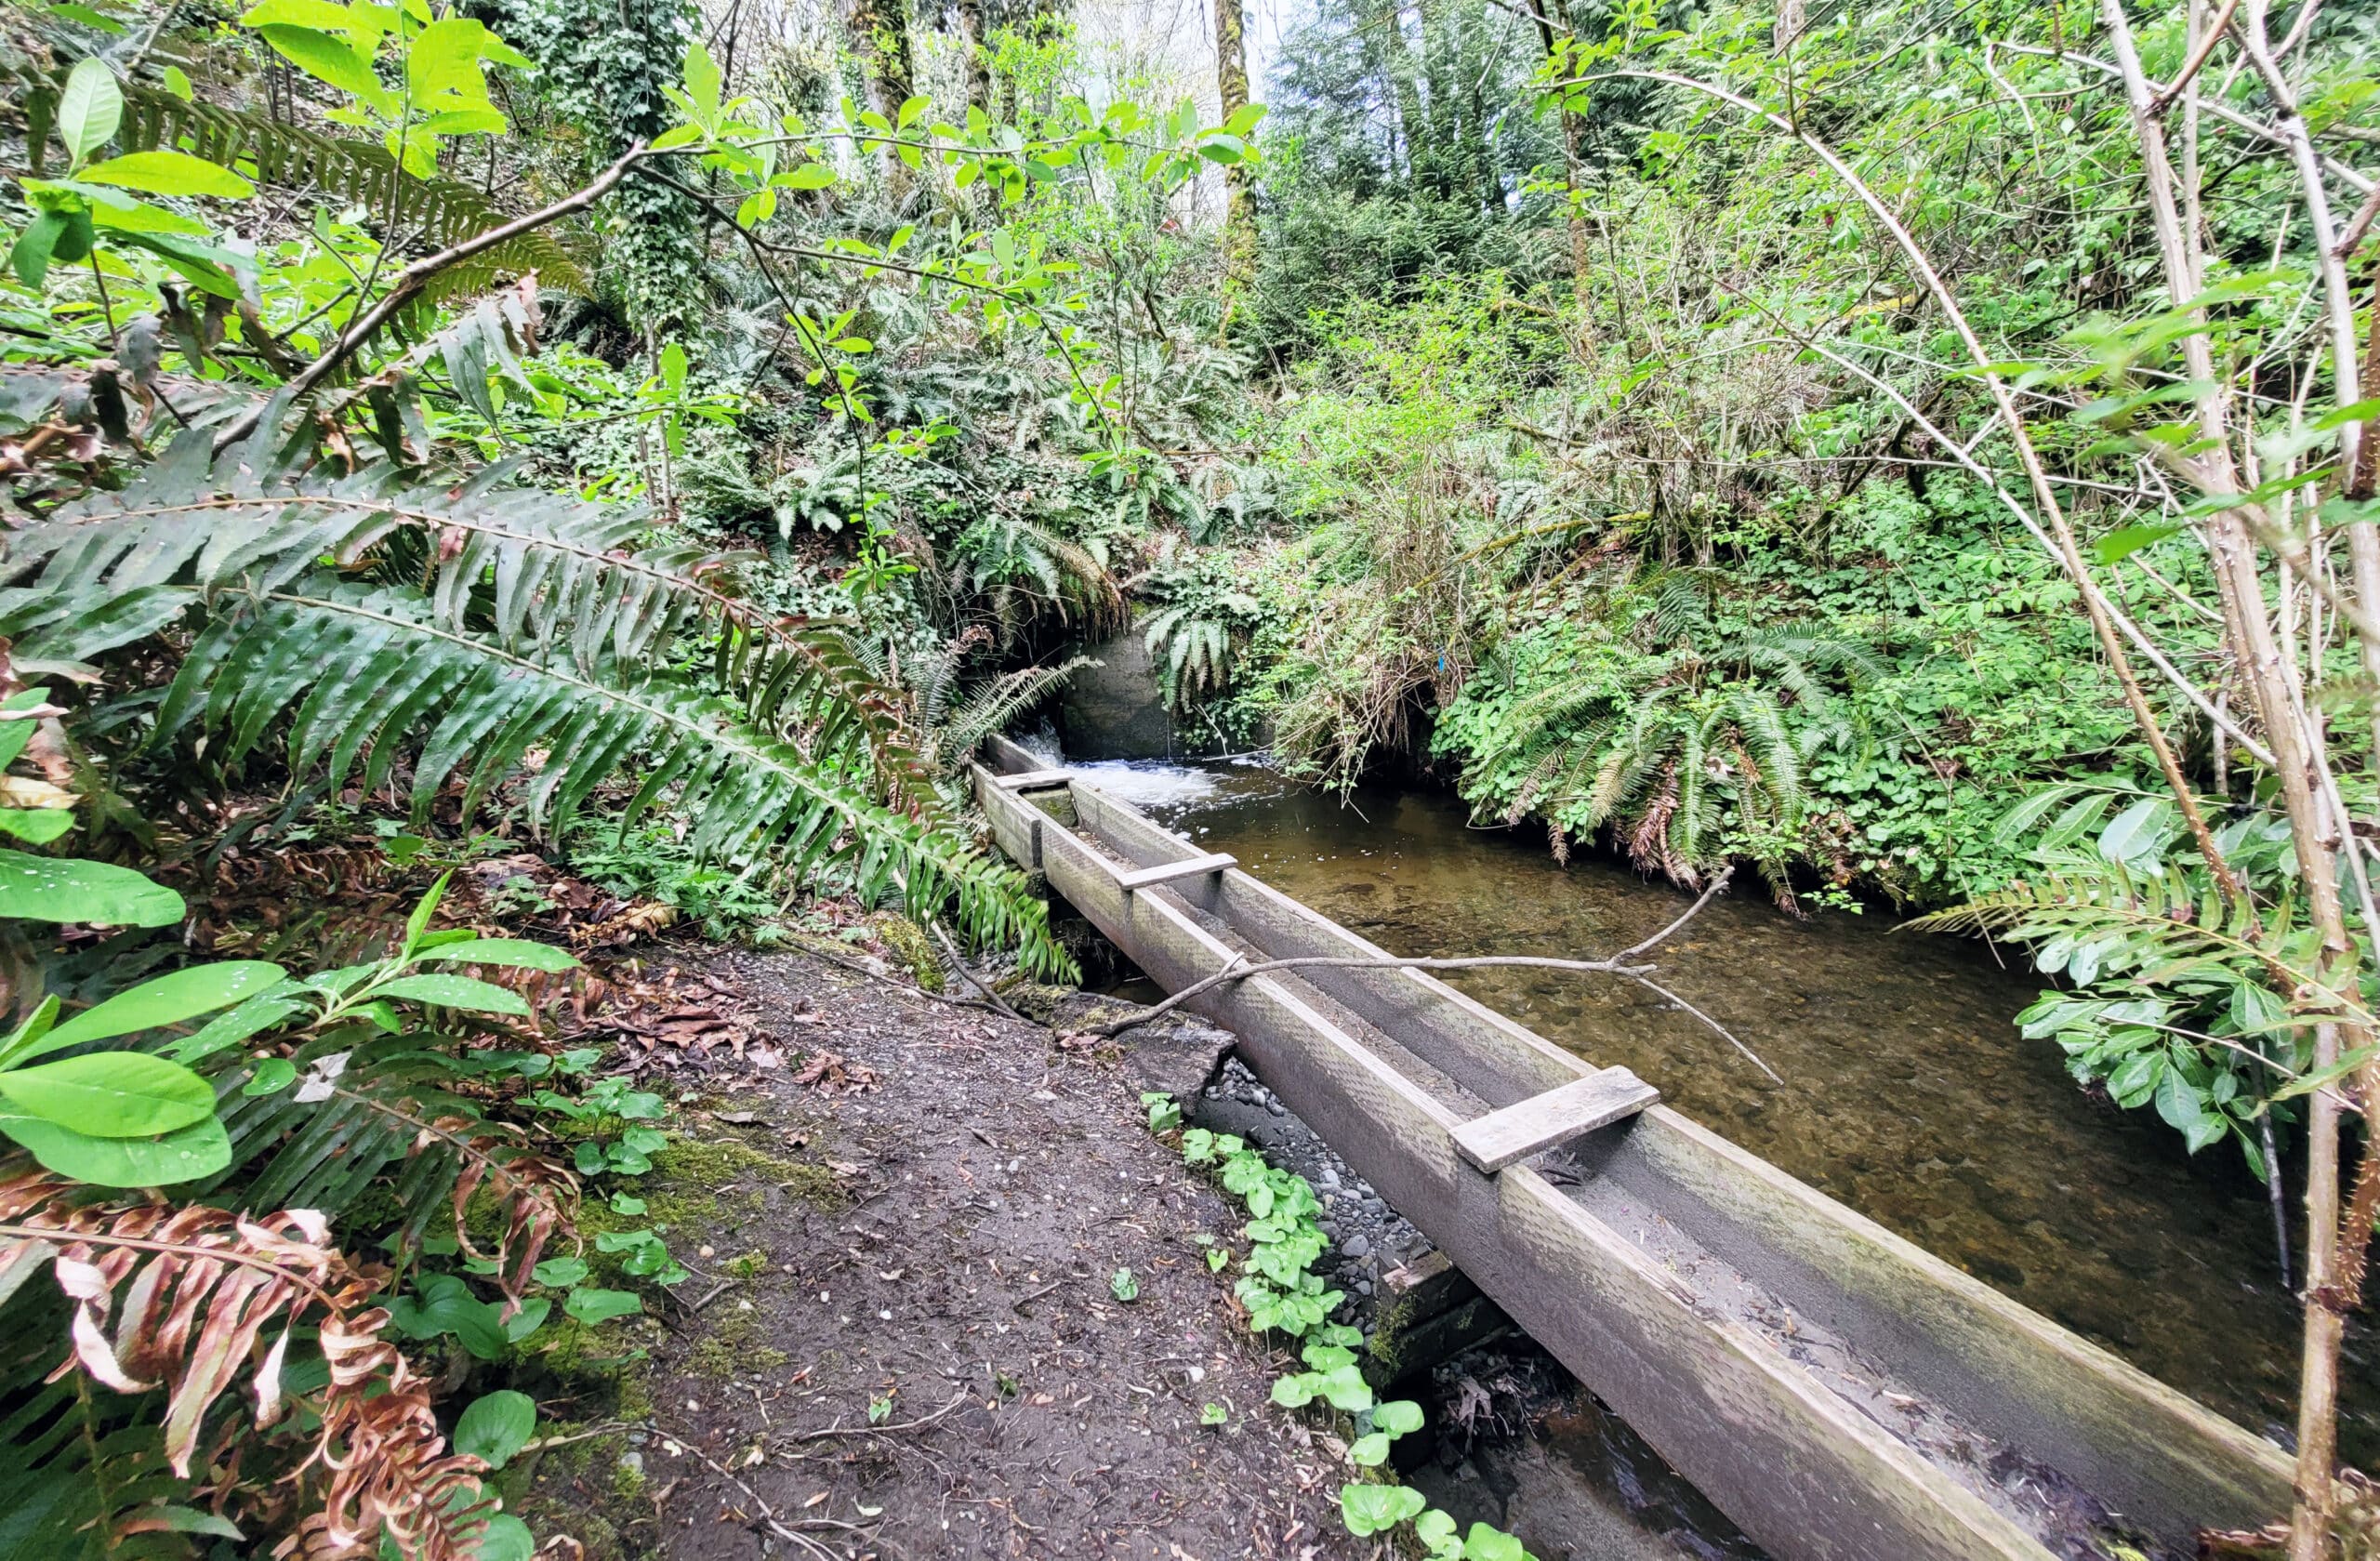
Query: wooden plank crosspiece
pixel 1034 780
pixel 1525 1127
pixel 1165 872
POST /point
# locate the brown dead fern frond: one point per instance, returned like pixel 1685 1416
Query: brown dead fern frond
pixel 187 1299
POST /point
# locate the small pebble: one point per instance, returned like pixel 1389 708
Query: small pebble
pixel 1358 1247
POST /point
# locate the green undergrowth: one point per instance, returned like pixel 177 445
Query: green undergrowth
pixel 1284 1296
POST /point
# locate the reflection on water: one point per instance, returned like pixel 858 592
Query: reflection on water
pixel 1908 1093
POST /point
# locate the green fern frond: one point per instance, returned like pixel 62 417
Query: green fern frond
pixel 536 574
pixel 2100 920
pixel 81 1475
pixel 501 633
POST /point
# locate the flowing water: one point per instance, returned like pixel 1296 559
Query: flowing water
pixel 1908 1093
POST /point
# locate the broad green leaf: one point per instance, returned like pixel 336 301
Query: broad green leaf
pixel 496 1427
pixel 2307 1083
pixel 509 953
pixel 417 923
pixel 2119 545
pixel 455 991
pixel 1484 1544
pixel 1398 1416
pixel 529 1319
pixel 703 81
pixel 446 1305
pixel 1373 1509
pixel 1369 1451
pixel 110 1094
pixel 2136 832
pixel 31 256
pixel 193 1152
pixel 36 825
pixel 560 1271
pixel 319 14
pixel 178 83
pixel 15 735
pixel 1295 1391
pixel 272 1076
pixel 1345 1388
pixel 328 60
pixel 805 175
pixel 163 172
pixel 168 999
pixel 1437 1532
pixel 257 1014
pixel 51 889
pixel 505 1538
pixel 593 1307
pixel 89 109
pixel 445 60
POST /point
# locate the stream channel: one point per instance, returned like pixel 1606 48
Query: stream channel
pixel 1908 1092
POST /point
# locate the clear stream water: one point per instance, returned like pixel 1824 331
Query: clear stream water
pixel 1908 1092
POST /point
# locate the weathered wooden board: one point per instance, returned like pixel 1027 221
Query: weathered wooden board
pixel 1795 1465
pixel 1799 1468
pixel 1032 778
pixel 1167 872
pixel 1532 1125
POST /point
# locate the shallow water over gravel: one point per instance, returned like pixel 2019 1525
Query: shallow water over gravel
pixel 1908 1093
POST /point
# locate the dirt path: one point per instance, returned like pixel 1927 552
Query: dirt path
pixel 942 1245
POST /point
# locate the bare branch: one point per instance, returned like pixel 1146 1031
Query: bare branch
pixel 408 283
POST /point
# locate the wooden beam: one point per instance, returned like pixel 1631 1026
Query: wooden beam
pixel 1032 779
pixel 1812 1478
pixel 1165 872
pixel 1536 1124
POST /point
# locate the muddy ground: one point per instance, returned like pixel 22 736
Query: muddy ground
pixel 904 1337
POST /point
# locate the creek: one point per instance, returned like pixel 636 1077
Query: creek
pixel 1908 1092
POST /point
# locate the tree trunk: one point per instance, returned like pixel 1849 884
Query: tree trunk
pixel 881 34
pixel 1573 132
pixel 1239 205
pixel 979 68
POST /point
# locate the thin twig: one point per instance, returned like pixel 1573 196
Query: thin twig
pixel 959 961
pixel 408 283
pixel 1690 914
pixel 1637 973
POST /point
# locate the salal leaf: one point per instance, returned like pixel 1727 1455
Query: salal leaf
pixel 168 999
pixel 110 1094
pixel 186 1155
pixel 455 991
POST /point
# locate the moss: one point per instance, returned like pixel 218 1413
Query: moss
pixel 731 1349
pixel 910 945
pixel 683 1199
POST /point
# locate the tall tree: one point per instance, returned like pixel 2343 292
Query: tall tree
pixel 1231 86
pixel 979 65
pixel 1574 128
pixel 880 38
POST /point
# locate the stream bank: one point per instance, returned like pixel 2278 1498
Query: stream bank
pixel 905 1337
